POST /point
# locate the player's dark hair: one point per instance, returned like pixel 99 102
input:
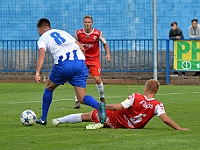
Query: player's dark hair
pixel 174 23
pixel 43 22
pixel 194 20
pixel 87 16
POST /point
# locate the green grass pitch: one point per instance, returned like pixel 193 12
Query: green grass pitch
pixel 182 104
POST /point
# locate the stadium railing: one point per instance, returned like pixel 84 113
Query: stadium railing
pixel 128 55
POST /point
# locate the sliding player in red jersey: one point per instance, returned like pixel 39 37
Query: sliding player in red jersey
pixel 89 37
pixel 133 113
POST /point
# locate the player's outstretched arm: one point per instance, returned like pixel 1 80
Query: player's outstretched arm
pixel 114 106
pixel 40 62
pixel 81 47
pixel 167 120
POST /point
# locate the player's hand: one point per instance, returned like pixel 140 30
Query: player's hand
pixel 37 77
pixel 107 58
pixel 184 129
pixel 81 47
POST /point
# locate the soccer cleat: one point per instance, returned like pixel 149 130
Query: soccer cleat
pixel 102 99
pixel 102 112
pixel 77 105
pixel 41 122
pixel 56 122
pixel 94 126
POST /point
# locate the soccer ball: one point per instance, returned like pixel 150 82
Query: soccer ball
pixel 28 117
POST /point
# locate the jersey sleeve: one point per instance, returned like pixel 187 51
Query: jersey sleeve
pixel 129 101
pixel 41 44
pixel 102 39
pixel 159 109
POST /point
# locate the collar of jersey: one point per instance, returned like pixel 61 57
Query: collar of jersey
pixel 149 99
pixel 88 33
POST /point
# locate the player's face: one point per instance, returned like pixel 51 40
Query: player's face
pixel 40 31
pixel 87 23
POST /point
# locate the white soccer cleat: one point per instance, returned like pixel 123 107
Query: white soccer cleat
pixel 94 126
pixel 56 122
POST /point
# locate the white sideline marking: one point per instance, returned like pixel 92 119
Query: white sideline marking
pixel 178 93
pixel 70 99
pixel 36 101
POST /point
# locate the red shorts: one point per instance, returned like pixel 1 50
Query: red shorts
pixel 94 67
pixel 111 121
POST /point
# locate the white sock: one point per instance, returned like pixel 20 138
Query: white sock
pixel 75 98
pixel 100 89
pixel 73 118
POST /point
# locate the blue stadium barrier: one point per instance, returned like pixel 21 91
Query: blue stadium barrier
pixel 130 55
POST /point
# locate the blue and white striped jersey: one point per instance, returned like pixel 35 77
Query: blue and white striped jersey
pixel 61 45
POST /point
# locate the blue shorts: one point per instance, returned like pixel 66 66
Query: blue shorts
pixel 73 71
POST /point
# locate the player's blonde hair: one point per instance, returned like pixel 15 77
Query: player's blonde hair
pixel 87 16
pixel 152 86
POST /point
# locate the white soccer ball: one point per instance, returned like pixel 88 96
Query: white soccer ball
pixel 28 117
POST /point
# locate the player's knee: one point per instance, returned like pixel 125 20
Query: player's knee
pixel 86 117
pixel 97 80
pixel 50 85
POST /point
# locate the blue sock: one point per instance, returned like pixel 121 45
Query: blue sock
pixel 90 101
pixel 46 102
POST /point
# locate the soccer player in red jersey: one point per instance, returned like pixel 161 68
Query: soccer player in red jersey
pixel 133 113
pixel 89 37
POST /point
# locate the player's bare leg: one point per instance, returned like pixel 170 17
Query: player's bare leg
pixel 100 87
pixel 90 101
pixel 79 98
pixel 80 93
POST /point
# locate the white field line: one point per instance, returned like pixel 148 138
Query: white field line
pixel 107 97
pixel 37 101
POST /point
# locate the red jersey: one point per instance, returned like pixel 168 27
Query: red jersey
pixel 90 42
pixel 137 113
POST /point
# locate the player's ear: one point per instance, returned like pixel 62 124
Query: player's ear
pixel 145 89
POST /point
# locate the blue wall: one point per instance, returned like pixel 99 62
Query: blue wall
pixel 118 19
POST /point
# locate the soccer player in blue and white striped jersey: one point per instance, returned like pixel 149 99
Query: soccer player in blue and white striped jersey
pixel 69 66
